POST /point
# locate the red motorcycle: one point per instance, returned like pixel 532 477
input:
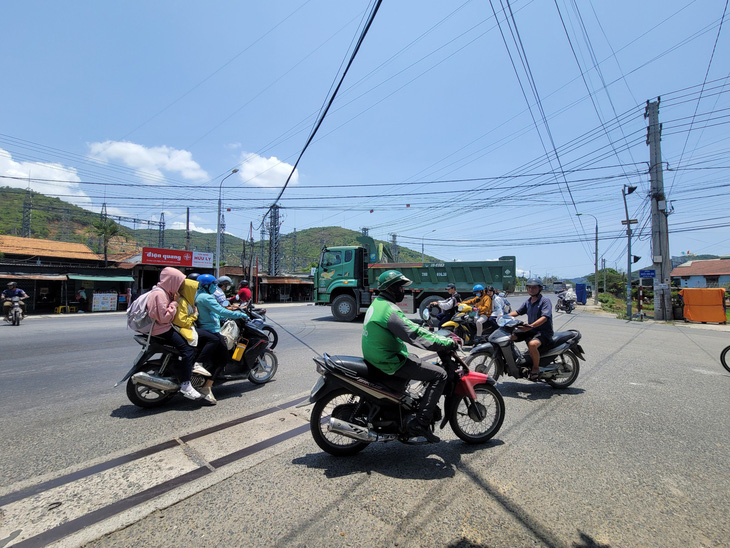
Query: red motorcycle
pixel 357 404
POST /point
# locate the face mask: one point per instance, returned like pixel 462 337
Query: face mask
pixel 398 293
pixel 210 289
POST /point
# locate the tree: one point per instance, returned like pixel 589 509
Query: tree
pixel 615 281
pixel 105 229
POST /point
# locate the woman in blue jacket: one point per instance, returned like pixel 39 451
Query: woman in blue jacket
pixel 214 354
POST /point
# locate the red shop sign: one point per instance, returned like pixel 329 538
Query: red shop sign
pixel 167 257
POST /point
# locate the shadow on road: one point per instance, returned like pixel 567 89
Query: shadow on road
pixel 534 391
pixel 178 403
pixel 396 460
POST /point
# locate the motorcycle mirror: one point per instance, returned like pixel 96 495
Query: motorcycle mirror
pixel 426 314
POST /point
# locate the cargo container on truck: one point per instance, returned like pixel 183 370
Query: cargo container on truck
pixel 346 279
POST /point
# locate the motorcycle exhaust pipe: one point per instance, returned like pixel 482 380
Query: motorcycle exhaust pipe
pixel 352 430
pixel 159 383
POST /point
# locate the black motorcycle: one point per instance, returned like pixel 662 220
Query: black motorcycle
pixel 153 380
pixel 559 366
pixel 15 311
pixel 566 306
pixel 259 314
pixel 357 404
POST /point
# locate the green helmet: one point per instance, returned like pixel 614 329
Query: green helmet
pixel 389 278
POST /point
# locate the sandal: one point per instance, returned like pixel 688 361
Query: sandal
pixel 534 377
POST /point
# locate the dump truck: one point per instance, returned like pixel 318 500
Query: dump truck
pixel 347 277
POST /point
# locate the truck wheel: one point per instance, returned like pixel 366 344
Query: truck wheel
pixel 344 308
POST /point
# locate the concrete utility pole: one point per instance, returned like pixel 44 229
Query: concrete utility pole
pixel 626 190
pixel 659 212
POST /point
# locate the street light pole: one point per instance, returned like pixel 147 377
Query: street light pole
pixel 422 238
pixel 626 190
pixel 595 263
pixel 218 227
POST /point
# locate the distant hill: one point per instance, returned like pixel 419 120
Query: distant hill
pixel 54 219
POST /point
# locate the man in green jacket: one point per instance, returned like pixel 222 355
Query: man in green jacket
pixel 384 330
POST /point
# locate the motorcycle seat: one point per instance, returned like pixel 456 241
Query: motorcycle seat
pixel 561 337
pixel 354 366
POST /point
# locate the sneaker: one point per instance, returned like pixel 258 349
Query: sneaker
pixel 208 397
pixel 415 428
pixel 200 370
pixel 189 392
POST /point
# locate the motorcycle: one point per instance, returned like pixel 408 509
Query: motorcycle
pixel 567 306
pixel 356 404
pixel 15 312
pixel 464 325
pixel 725 358
pixel 152 380
pixel 258 317
pixel 559 365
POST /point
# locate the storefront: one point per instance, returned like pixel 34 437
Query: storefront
pixel 98 293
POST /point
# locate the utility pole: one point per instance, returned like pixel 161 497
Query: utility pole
pixel 659 211
pixel 603 265
pixel 628 222
pixel 187 231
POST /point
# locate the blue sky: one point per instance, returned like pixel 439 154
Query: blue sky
pixel 146 106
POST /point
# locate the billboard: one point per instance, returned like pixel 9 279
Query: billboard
pixel 176 257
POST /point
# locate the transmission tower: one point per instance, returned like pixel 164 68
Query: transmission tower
pixel 27 214
pixel 161 233
pixel 394 247
pixel 274 240
pixel 293 259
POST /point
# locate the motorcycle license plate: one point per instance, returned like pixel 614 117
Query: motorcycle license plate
pixel 319 384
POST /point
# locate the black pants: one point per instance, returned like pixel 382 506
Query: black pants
pixel 214 352
pixel 187 353
pixel 434 375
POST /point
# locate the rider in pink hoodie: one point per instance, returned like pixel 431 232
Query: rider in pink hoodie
pixel 162 306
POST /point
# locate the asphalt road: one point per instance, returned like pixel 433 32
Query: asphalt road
pixel 635 453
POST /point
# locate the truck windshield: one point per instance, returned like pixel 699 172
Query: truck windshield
pixel 331 258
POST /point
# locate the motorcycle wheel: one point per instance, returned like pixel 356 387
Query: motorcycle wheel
pixel 482 362
pixel 340 404
pixel 273 336
pixel 265 369
pixel 478 421
pixel 16 318
pixel 568 369
pixel 145 396
pixel 725 358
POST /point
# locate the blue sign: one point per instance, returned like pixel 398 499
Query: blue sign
pixel 647 273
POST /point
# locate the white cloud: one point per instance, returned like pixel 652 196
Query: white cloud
pixel 57 179
pixel 149 161
pixel 180 225
pixel 265 172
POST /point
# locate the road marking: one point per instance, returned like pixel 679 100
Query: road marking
pixel 130 487
pixel 706 372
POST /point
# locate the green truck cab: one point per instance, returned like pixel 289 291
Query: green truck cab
pixel 346 279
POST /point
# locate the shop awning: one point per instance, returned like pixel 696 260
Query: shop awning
pixel 58 277
pixel 285 280
pixel 100 278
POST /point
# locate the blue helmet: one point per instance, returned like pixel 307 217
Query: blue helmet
pixel 477 289
pixel 206 279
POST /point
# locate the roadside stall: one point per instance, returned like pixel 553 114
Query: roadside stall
pixel 704 304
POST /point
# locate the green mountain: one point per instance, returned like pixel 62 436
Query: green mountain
pixel 54 219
